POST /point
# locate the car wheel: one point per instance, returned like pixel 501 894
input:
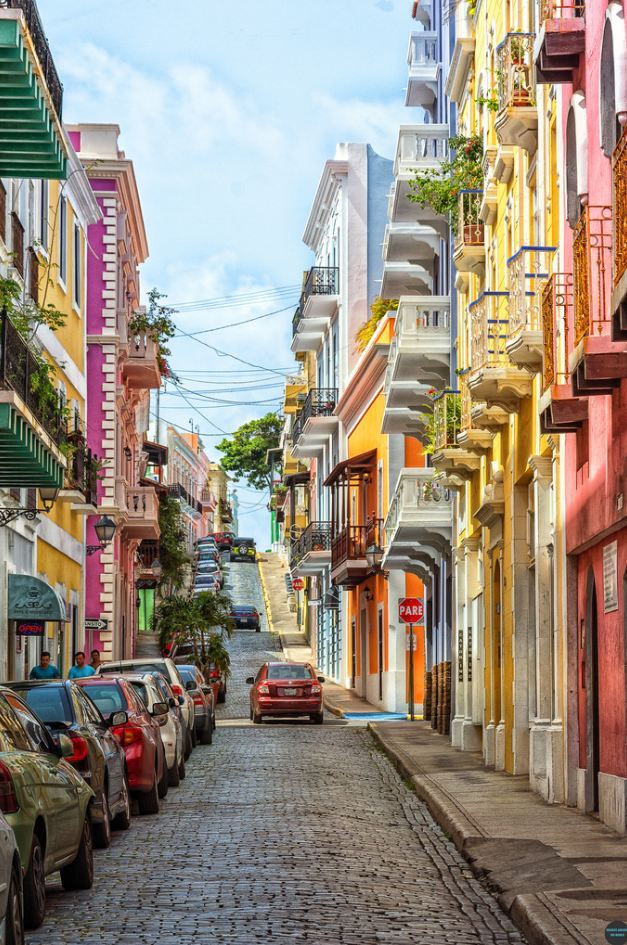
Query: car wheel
pixel 164 784
pixel 181 770
pixel 256 718
pixel 214 724
pixel 122 820
pixel 35 887
pixel 257 629
pixel 174 778
pixel 188 746
pixel 317 717
pixel 148 801
pixel 102 832
pixel 207 736
pixel 222 694
pixel 79 874
pixel 15 911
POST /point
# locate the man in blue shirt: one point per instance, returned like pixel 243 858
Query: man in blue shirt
pixel 80 670
pixel 46 669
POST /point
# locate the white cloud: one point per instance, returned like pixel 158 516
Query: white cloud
pixel 358 120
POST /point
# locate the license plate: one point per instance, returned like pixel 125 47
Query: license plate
pixel 290 692
pixel 244 620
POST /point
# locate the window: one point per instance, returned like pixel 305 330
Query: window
pixel 12 735
pixel 37 736
pixel 77 266
pixel 49 702
pixel 63 239
pixel 289 671
pixel 43 214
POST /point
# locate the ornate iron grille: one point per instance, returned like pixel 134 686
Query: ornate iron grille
pixel 316 537
pixel 592 244
pixel 321 280
pixel 559 9
pixel 351 542
pixel 36 30
pixel 447 410
pixel 320 402
pixel 489 330
pixel 528 270
pixel 515 71
pixel 619 174
pixel 470 229
pixel 557 298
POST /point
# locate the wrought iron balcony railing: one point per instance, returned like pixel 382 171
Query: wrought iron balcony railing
pixel 515 71
pixel 320 402
pixel 177 491
pixel 447 412
pixel 352 541
pixel 18 370
pixel 489 330
pixel 148 552
pixel 316 537
pixel 619 176
pixel 528 271
pixel 36 30
pixel 83 472
pixel 321 280
pixel 470 228
pixel 557 300
pixel 592 247
pixel 561 9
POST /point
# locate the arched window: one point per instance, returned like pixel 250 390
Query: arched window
pixel 576 158
pixel 613 82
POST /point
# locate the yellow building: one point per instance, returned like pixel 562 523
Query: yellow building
pixel 509 561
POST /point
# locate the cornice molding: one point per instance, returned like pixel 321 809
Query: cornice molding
pixel 330 182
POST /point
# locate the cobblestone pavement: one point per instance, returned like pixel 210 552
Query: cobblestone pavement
pixel 284 832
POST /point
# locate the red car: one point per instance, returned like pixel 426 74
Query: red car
pixel 140 737
pixel 286 689
pixel 224 540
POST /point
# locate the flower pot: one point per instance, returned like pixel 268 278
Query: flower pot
pixel 521 97
pixel 473 234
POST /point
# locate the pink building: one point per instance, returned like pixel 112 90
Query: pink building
pixel 188 482
pixel 122 367
pixel 583 49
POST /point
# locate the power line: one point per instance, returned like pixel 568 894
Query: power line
pixel 229 301
pixel 245 321
pixel 227 354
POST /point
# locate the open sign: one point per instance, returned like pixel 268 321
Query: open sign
pixel 411 610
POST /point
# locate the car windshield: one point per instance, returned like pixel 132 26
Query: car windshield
pixel 139 668
pixel 108 697
pixel 141 689
pixel 208 566
pixel 187 674
pixel 49 702
pixel 205 579
pixel 289 671
pixel 243 610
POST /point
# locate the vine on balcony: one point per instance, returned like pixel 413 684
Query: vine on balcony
pixel 157 324
pixel 440 188
pixel 379 309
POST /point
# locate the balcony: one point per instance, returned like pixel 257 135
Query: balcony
pixel 560 411
pixel 469 249
pixel 315 422
pixel 421 346
pixel 190 505
pixel 141 370
pixel 208 501
pixel 311 552
pixel 295 387
pixel 419 148
pixel 225 511
pixel 31 97
pixel 81 482
pixel 463 52
pixel 349 566
pixel 473 436
pixel 492 378
pixel 597 363
pixel 318 303
pixel 148 552
pixel 528 272
pixel 517 117
pixel 561 40
pixel 418 525
pixel 424 69
pixel 619 294
pixel 33 428
pixel 454 462
pixel 142 506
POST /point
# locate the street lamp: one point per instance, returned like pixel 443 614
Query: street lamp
pixel 48 496
pixel 157 569
pixel 332 599
pixel 105 530
pixel 374 556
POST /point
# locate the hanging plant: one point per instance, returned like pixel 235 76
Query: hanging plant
pixel 379 309
pixel 440 189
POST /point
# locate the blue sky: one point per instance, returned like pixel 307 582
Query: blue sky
pixel 229 111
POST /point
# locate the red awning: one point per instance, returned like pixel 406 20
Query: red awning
pixel 353 466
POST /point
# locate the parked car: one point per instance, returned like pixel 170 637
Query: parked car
pixel 98 755
pixel 204 705
pixel 224 540
pixel 153 689
pixel 167 668
pixel 139 736
pixel 207 553
pixel 245 615
pixel 244 549
pixel 46 803
pixel 208 584
pixel 211 569
pixel 205 545
pixel 11 895
pixel 286 689
pixel 208 566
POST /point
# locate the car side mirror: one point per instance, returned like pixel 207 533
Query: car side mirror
pixel 250 680
pixel 181 700
pixel 158 709
pixel 207 690
pixel 66 748
pixel 118 718
pixel 172 702
pixel 190 684
pixel 320 678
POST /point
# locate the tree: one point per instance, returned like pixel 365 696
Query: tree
pixel 204 621
pixel 173 556
pixel 245 452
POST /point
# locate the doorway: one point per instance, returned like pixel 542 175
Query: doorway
pixel 592 696
pixel 380 651
pixel 353 653
pixel 497 643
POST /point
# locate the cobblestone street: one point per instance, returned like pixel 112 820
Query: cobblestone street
pixel 285 832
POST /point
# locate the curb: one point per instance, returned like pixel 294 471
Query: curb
pixel 530 912
pixel 333 709
pixel 266 599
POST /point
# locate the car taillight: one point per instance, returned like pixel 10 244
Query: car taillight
pixel 215 674
pixel 177 690
pixel 81 749
pixel 8 797
pixel 127 734
pixel 316 690
pixel 198 699
pixel 264 689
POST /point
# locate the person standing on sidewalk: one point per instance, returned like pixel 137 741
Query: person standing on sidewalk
pixel 45 669
pixel 95 660
pixel 80 669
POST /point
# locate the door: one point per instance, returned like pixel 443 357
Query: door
pixel 592 697
pixel 380 651
pixel 363 651
pixel 353 653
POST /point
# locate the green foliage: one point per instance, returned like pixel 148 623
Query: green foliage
pixel 157 323
pixel 440 188
pixel 245 451
pixel 204 621
pixel 453 422
pixel 379 309
pixel 172 553
pixel 490 101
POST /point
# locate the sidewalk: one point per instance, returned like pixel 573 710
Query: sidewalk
pixel 560 874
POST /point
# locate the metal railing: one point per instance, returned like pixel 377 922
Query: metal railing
pixel 561 9
pixel 320 402
pixel 489 330
pixel 17 243
pixel 82 473
pixel 177 491
pixel 19 369
pixel 470 229
pixel 447 412
pixel 42 49
pixel 515 71
pixel 316 537
pixel 619 178
pixel 592 247
pixel 351 542
pixel 557 300
pixel 321 280
pixel 528 270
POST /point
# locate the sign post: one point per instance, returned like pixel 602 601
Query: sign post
pixel 411 672
pixel 298 584
pixel 411 610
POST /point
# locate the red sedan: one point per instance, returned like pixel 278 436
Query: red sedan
pixel 286 690
pixel 140 737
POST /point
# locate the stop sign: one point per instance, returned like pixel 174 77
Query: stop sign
pixel 411 610
pixel 298 584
